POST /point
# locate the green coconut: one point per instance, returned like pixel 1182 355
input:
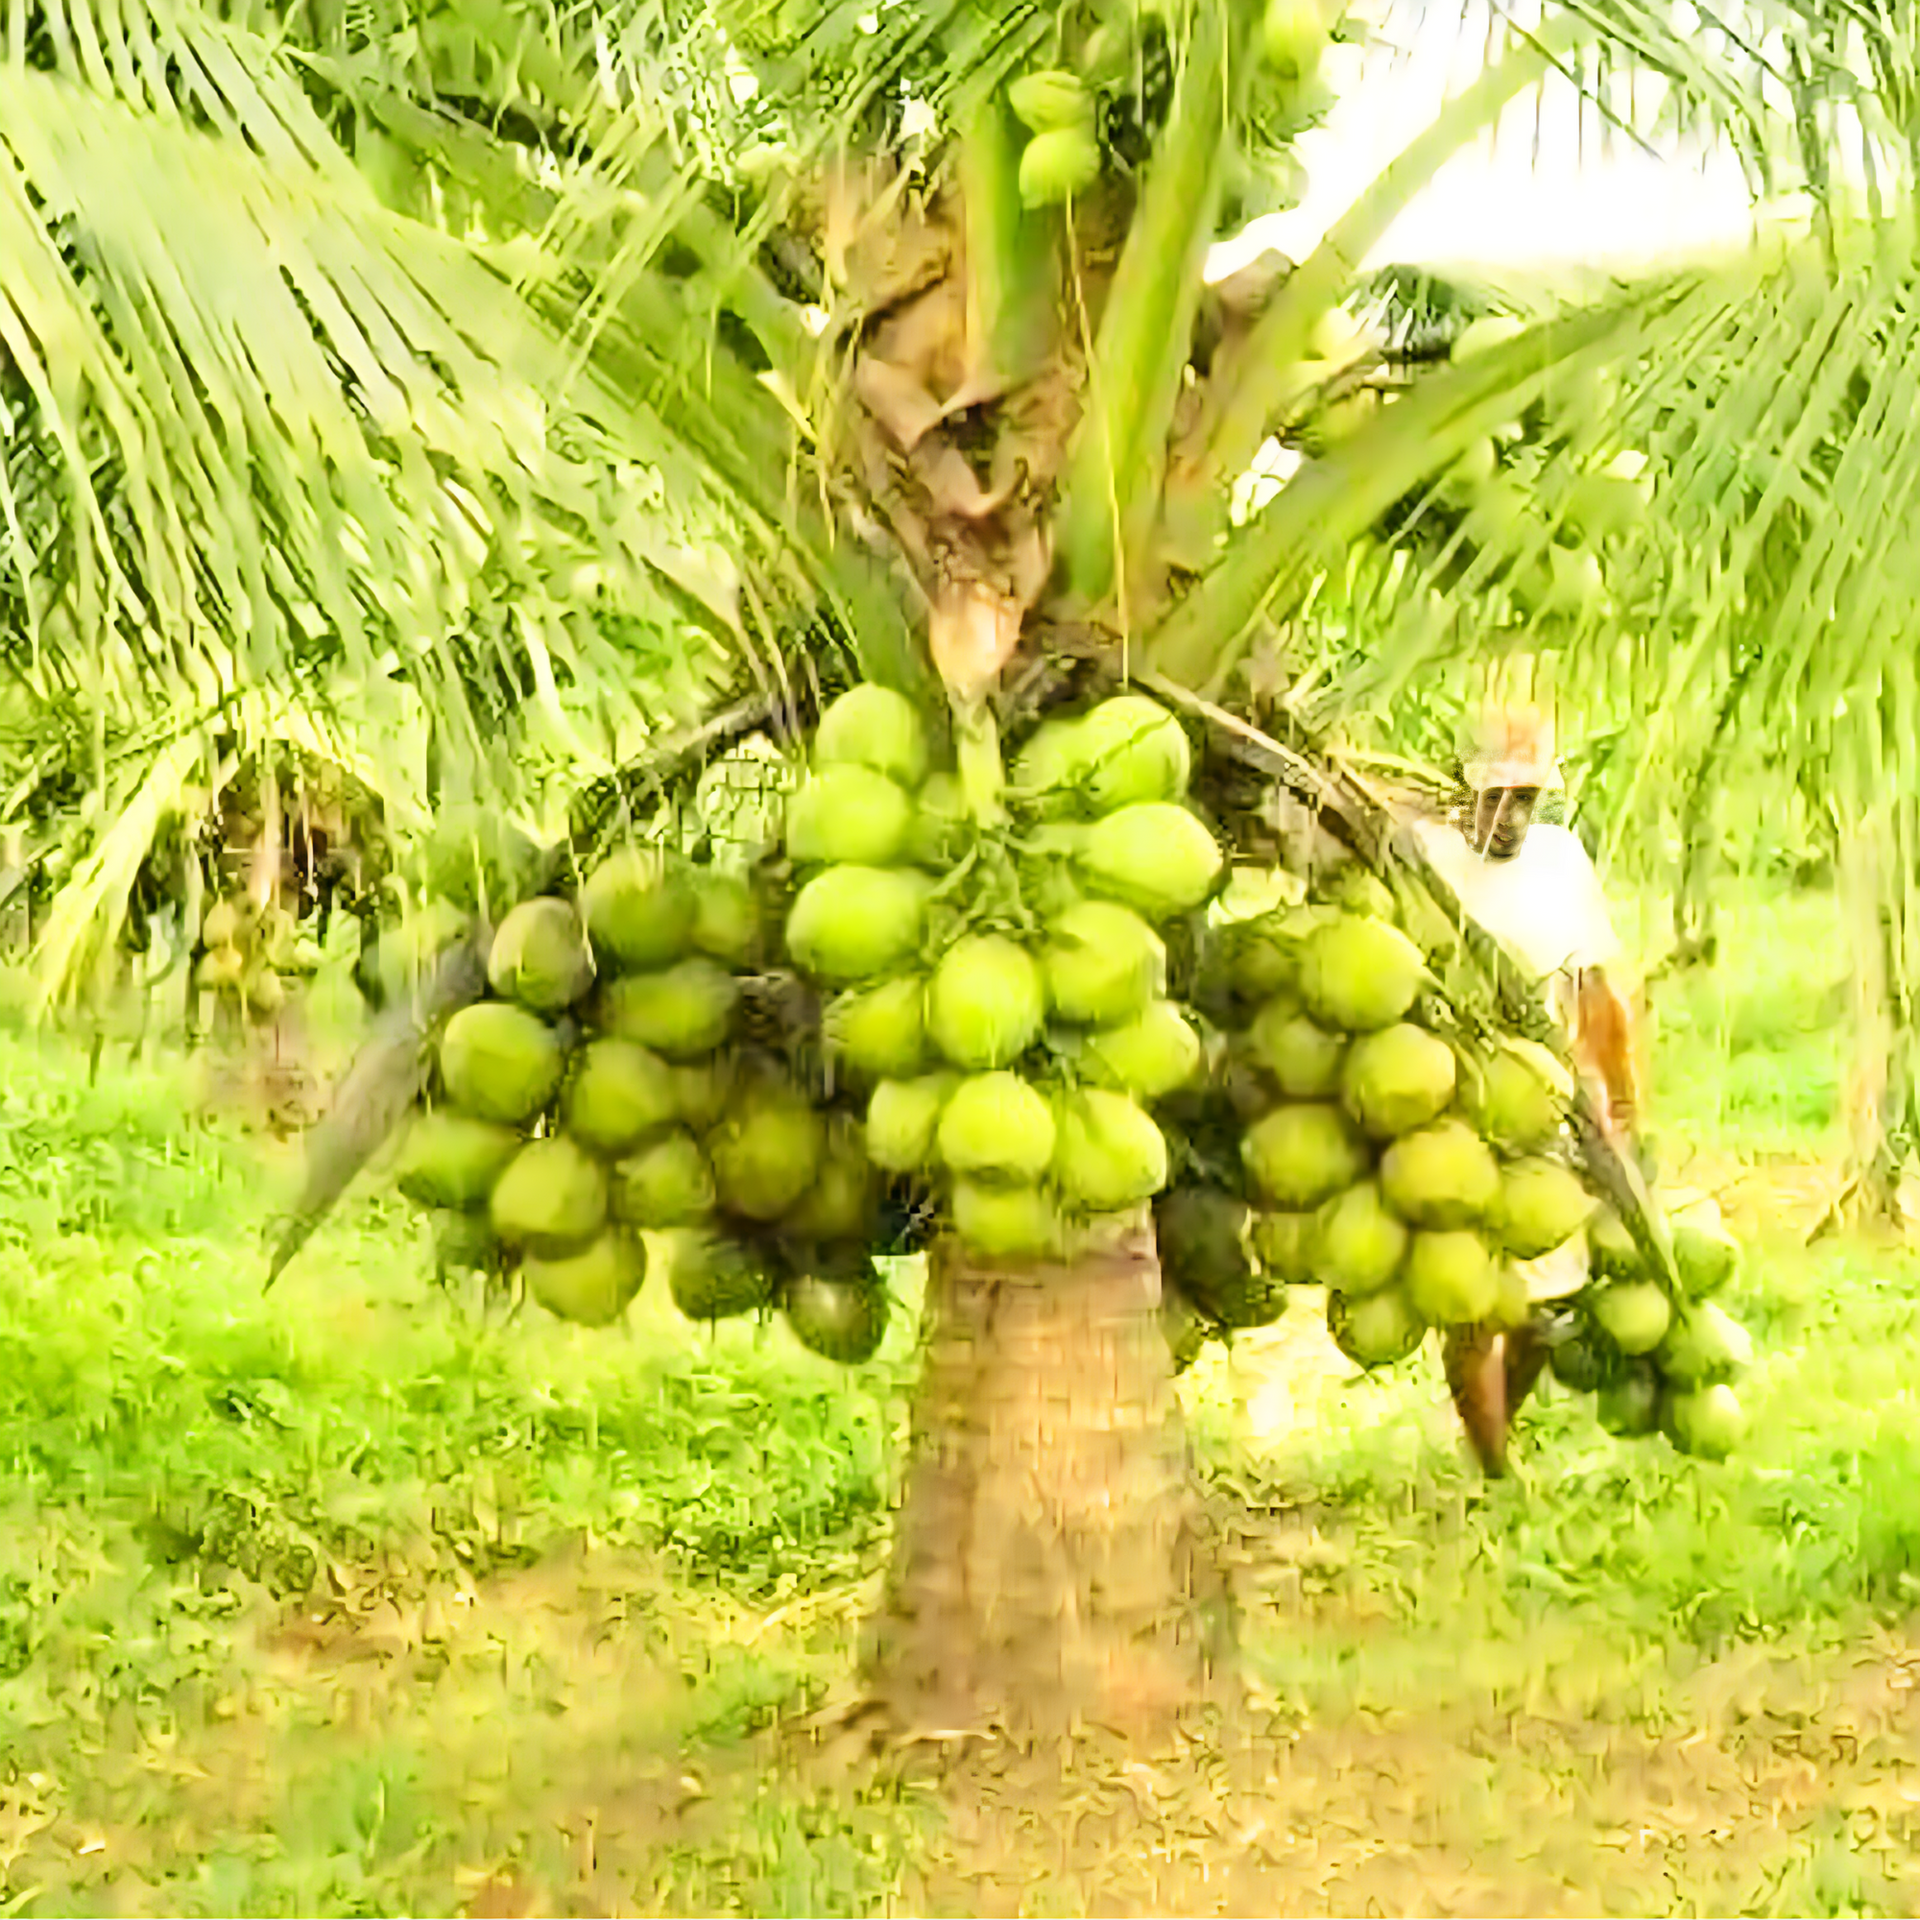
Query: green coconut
pixel 840 1316
pixel 1513 1307
pixel 726 918
pixel 499 1063
pixel 1303 1058
pixel 1709 1421
pixel 851 924
pixel 848 814
pixel 874 727
pixel 713 1276
pixel 1706 1254
pixel 1628 1406
pixel 1284 1244
pixel 1150 1056
pixel 1705 1343
pixel 639 909
pixel 1611 1248
pixel 1358 1244
pixel 1048 765
pixel 1397 1080
pixel 1542 1205
pixel 1301 1155
pixel 702 1088
pixel 1202 1234
pixel 996 1123
pixel 666 1183
pixel 1581 1362
pixel 1006 1222
pixel 903 1121
pixel 551 1200
pixel 1130 749
pixel 1451 1278
pixel 540 956
pixel 881 1031
pixel 1441 1177
pixel 1514 1104
pixel 1634 1314
pixel 840 1203
pixel 1156 858
pixel 1102 963
pixel 986 1002
pixel 1378 1331
pixel 766 1150
pixel 681 1011
pixel 1109 1154
pixel 1264 953
pixel 617 1094
pixel 1358 975
pixel 451 1160
pixel 594 1287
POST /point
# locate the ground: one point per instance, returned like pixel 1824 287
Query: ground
pixel 347 1601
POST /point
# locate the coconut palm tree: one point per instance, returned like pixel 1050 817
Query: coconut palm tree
pixel 492 380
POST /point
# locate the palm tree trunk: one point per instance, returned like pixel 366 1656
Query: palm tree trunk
pixel 1050 1568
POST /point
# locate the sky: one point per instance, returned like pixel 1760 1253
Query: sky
pixel 1496 203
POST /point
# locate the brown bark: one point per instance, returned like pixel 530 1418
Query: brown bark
pixel 1050 1569
pixel 1490 1373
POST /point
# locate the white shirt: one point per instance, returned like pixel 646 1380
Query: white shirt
pixel 1545 905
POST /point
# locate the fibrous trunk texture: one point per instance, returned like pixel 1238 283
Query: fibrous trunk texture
pixel 1051 1568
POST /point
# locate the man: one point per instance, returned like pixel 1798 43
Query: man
pixel 1534 889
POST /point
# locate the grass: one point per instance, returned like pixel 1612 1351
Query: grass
pixel 352 1600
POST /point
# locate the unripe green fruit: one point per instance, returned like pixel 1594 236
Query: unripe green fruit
pixel 986 1004
pixel 872 726
pixel 1046 101
pixel 881 1031
pixel 1058 166
pixel 995 1123
pixel 848 815
pixel 903 1120
pixel 1103 963
pixel 1110 1154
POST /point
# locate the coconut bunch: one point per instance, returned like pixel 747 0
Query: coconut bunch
pixel 1379 1158
pixel 599 1096
pixel 1658 1364
pixel 991 955
pixel 249 952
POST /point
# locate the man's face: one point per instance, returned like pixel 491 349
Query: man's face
pixel 1501 817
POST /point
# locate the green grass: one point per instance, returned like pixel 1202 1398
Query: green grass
pixel 350 1599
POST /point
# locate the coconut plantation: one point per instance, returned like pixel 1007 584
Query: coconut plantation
pixel 885 1032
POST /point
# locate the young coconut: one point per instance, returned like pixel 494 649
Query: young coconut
pixel 1102 963
pixel 985 1003
pixel 1397 1080
pixel 1109 1154
pixel 995 1123
pixel 551 1200
pixel 667 1183
pixel 903 1120
pixel 881 1031
pixel 1379 1331
pixel 767 1149
pixel 639 909
pixel 499 1063
pixel 1359 975
pixel 848 815
pixel 1441 1177
pixel 1301 1156
pixel 618 1094
pixel 1358 1245
pixel 682 1011
pixel 851 924
pixel 841 1315
pixel 451 1160
pixel 540 956
pixel 594 1287
pixel 874 727
pixel 1155 857
pixel 712 1276
pixel 1150 1056
pixel 1006 1222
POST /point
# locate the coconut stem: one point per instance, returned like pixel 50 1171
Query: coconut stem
pixel 983 776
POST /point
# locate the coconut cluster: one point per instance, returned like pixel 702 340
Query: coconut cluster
pixel 1411 1176
pixel 1657 1364
pixel 249 952
pixel 996 980
pixel 1378 1158
pixel 599 1096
